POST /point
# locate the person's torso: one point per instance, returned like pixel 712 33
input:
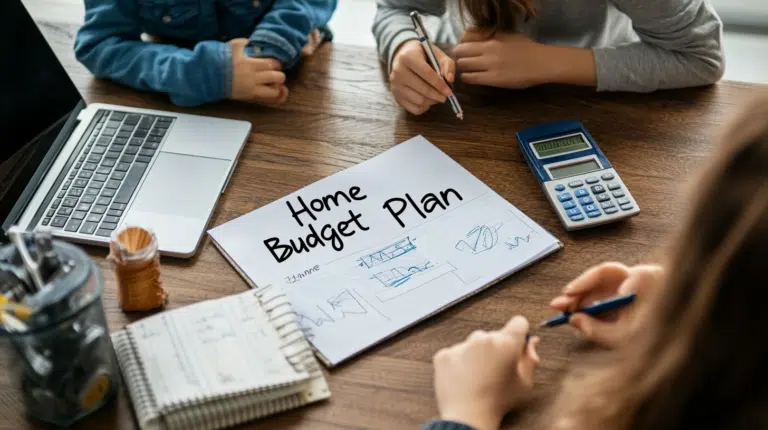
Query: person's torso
pixel 581 23
pixel 196 20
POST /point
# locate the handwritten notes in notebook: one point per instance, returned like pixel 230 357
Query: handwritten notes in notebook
pixel 211 349
pixel 371 250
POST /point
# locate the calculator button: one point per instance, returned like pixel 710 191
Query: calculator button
pixel 602 197
pixel 606 205
pixel 591 208
pixel 569 204
pixel 611 210
pixel 576 184
pixel 608 176
pixel 578 217
pixel 626 207
pixel 618 194
pixel 581 193
pixel 613 186
pixel 559 187
pixel 623 201
pixel 592 180
pixel 573 212
pixel 594 214
pixel 586 201
pixel 597 189
pixel 564 197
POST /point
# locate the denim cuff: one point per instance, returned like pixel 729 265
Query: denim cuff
pixel 228 71
pixel 265 43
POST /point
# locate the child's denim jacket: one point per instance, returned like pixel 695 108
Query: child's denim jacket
pixel 109 44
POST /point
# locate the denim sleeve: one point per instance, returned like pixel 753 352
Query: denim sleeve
pixel 109 44
pixel 446 425
pixel 285 29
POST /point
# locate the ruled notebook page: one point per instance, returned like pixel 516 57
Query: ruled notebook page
pixel 212 349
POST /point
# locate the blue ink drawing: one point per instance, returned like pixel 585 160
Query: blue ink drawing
pixel 398 276
pixel 480 239
pixel 514 242
pixel 388 253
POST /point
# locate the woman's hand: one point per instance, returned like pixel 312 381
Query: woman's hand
pixel 415 85
pixel 482 378
pixel 604 281
pixel 512 60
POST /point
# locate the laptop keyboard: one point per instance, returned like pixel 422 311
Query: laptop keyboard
pixel 108 170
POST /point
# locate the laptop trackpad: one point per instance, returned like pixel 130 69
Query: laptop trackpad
pixel 177 197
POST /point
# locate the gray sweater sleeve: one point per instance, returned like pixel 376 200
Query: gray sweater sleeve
pixel 680 46
pixel 392 25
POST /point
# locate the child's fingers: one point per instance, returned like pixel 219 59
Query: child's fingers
pixel 471 49
pixel 266 93
pixel 418 85
pixel 269 77
pixel 472 64
pixel 260 64
pixel 607 275
pixel 422 68
pixel 449 68
pixel 478 78
pixel 564 303
pixel 594 330
pixel 413 97
pixel 529 362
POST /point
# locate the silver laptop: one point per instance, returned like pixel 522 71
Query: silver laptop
pixel 85 171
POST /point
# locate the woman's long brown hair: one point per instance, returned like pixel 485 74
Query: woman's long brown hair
pixel 498 15
pixel 701 361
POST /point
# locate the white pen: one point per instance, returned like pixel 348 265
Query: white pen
pixel 427 45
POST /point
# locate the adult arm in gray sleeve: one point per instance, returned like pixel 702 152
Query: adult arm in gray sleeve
pixel 680 46
pixel 392 24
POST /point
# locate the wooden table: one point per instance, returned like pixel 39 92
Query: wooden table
pixel 340 113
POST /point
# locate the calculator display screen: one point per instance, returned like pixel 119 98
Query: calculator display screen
pixel 574 169
pixel 563 145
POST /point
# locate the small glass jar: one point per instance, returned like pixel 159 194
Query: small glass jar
pixel 61 359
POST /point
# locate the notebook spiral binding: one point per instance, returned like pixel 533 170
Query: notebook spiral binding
pixel 138 388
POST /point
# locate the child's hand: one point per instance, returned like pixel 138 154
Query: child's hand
pixel 313 42
pixel 507 60
pixel 259 80
pixel 481 379
pixel 415 85
pixel 604 281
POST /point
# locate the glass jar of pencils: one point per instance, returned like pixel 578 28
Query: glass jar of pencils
pixel 56 348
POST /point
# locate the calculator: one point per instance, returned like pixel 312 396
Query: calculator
pixel 575 175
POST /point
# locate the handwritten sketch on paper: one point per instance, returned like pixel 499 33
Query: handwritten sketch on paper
pixel 366 253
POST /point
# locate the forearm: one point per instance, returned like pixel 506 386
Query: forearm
pixel 285 29
pixel 109 45
pixel 641 67
pixel 679 46
pixel 569 66
pixel 392 24
pixel 189 77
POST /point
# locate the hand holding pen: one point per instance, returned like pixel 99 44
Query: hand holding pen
pixel 414 82
pixel 597 303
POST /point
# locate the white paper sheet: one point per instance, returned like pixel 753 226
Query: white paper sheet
pixel 402 236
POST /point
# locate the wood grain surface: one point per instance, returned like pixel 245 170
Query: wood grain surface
pixel 340 113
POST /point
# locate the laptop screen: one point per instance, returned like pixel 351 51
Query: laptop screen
pixel 36 98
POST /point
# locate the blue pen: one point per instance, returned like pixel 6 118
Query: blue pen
pixel 597 308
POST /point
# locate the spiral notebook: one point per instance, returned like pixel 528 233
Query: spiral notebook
pixel 218 363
